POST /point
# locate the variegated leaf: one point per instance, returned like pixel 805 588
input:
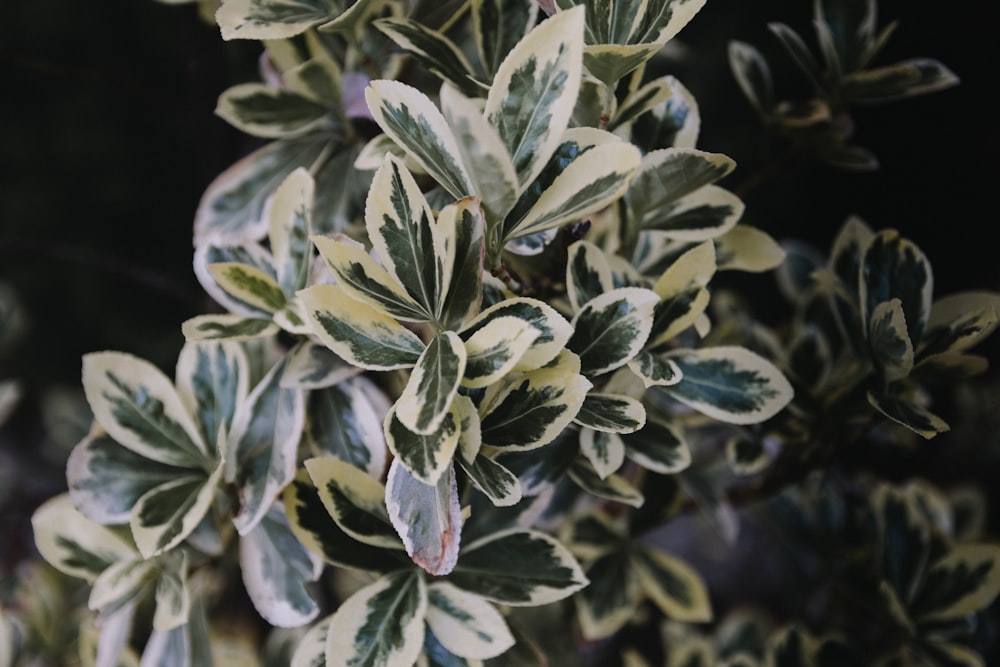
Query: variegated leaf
pixel 849 247
pixel 425 456
pixel 731 384
pixel 358 333
pixel 106 480
pixel 611 487
pixel 413 122
pixel 499 26
pixel 402 230
pixel 343 421
pixel 172 592
pixel 596 178
pixel 495 349
pixel 707 213
pixel 654 370
pixel 611 329
pixel 433 50
pixel 674 586
pixel 640 101
pixel 355 500
pixel 314 366
pixel 250 254
pixel 232 208
pixel 249 285
pixel 610 62
pixel 915 76
pixel 659 21
pixel 211 381
pixel 140 408
pixel 270 113
pixel 167 514
pixel 889 341
pixel 611 413
pixel 612 597
pixel 318 78
pixel 532 410
pixel 753 75
pixel 604 450
pixel 123 584
pixel 959 321
pixel 965 581
pixel 354 18
pixel 498 483
pixel 904 543
pixel 675 121
pixel 534 90
pixel 289 214
pixel 745 248
pixel 465 624
pixel 72 543
pixel 695 267
pixel 271 19
pixel 315 528
pixel 909 413
pixel 365 280
pixel 667 175
pixel 427 518
pixel 169 647
pixel 227 327
pixel 462 223
pixel 311 649
pixel 433 383
pixel 277 569
pixel 553 329
pixel 483 152
pixel 382 625
pixel 264 443
pixel 588 274
pixel 895 268
pixel 518 568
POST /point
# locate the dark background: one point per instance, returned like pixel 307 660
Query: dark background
pixel 108 140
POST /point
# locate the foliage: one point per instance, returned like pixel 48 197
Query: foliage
pixel 469 373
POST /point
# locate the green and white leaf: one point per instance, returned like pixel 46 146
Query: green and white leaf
pixel 413 122
pixel 310 365
pixel 357 332
pixel 612 328
pixel 277 569
pixel 344 421
pixel 531 410
pixel 433 383
pixel 289 214
pixel 889 341
pixel 263 446
pixel 638 102
pixel 498 483
pixel 123 584
pixel 894 268
pixel 753 75
pixel 466 624
pixel 164 516
pixel 318 78
pixel 674 586
pixel 365 280
pixel 658 21
pixel 518 568
pixel 270 113
pixel 427 518
pixel 212 380
pixel 610 62
pixel 611 413
pixel 463 224
pixel 355 500
pixel 311 649
pixel 731 384
pixel 72 543
pixel 909 413
pixel 172 592
pixel 227 327
pixel 604 450
pixel 965 581
pixel 271 19
pixel 250 285
pixel 706 213
pixel 658 447
pixel 250 253
pixel 495 349
pixel 676 121
pixel 959 321
pixel 426 457
pixel 140 408
pixel 534 90
pixel 553 329
pixel 432 49
pixel 668 174
pixel 915 76
pixel 588 274
pixel 654 370
pixel 745 248
pixel 612 597
pixel 499 26
pixel 382 625
pixel 611 487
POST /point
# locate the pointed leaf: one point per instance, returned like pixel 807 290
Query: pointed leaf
pixel 380 625
pixel 553 329
pixel 518 568
pixel 674 121
pixel 271 19
pixel 654 370
pixel 667 175
pixel 432 49
pixel 499 26
pixel 342 421
pixel 167 514
pixel 731 384
pixel 611 413
pixel 249 253
pixel 462 223
pixel 426 457
pixel 611 487
pixel 173 596
pixel 753 76
pixel 123 584
pixel 959 321
pixel 745 248
pixel 465 624
pixel 965 581
pixel 915 76
pixel 495 349
pixel 675 587
pixel 706 213
pixel 610 62
pixel 289 214
pixel 211 381
pixel 611 328
pixel 498 483
pixel 588 274
pixel 604 450
pixel 889 341
pixel 358 333
pixel 612 597
pixel 895 268
pixel 658 447
pixel 433 383
pixel 909 413
pixel 314 366
pixel 355 500
pixel 228 328
pixel 428 518
pixel 270 113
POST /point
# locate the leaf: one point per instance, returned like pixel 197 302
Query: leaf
pixel 358 333
pixel 276 570
pixel 663 19
pixel 343 421
pixel 674 121
pixel 227 327
pixel 745 248
pixel 426 457
pixel 670 174
pixel 610 62
pixel 588 274
pixel 495 349
pixel 706 213
pixel 263 446
pixel 674 586
pixel 211 381
pixel 604 450
pixel 366 281
pixel 959 321
pixel 355 500
pixel 312 524
pixel 889 342
pixel 465 624
pixel 800 53
pixel 271 19
pixel 140 408
pixel 380 625
pixel 908 413
pixel 916 76
pixel 532 410
pixel 731 384
pixel 965 581
pixel 894 268
pixel 413 122
pixel 72 543
pixel 534 89
pixel 314 366
pixel 427 397
pixel 553 329
pixel 611 413
pixel 499 26
pixel 123 584
pixel 248 253
pixel 311 649
pixel 270 113
pixel 611 329
pixel 654 370
pixel 168 513
pixel 904 541
pixel 173 595
pixel 518 568
pixel 753 76
pixel 498 483
pixel 432 49
pixel 463 224
pixel 610 487
pixel 612 597
pixel 289 215
pixel 249 285
pixel 426 517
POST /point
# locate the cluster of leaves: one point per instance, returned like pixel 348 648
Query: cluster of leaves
pixel 842 75
pixel 465 363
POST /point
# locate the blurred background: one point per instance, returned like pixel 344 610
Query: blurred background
pixel 108 140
